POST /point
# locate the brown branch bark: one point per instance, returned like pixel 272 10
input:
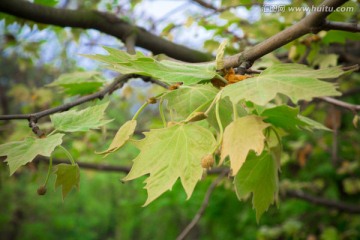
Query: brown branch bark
pixel 205 4
pixel 314 22
pixel 349 27
pixel 104 22
pixel 352 107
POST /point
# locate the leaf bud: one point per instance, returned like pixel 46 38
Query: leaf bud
pixel 152 100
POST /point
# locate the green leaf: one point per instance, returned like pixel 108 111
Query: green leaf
pixel 241 136
pixel 284 117
pixel 312 124
pixel 186 99
pixel 336 36
pixel 121 137
pixel 67 176
pixel 49 3
pixel 171 153
pixel 83 120
pixel 164 70
pixel 298 82
pixel 259 176
pixel 79 82
pixel 325 60
pixel 22 152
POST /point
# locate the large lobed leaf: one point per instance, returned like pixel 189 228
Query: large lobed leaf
pixel 258 175
pixel 296 81
pixel 241 136
pixel 171 153
pixel 164 70
pixel 21 152
pixel 67 176
pixel 83 120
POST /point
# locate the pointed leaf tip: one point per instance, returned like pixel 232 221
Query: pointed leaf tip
pixel 241 136
pixel 67 176
pixel 259 176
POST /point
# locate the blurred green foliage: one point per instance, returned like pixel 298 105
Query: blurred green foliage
pixel 105 208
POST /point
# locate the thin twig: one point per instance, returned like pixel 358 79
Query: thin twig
pixel 341 206
pixel 117 83
pixel 344 207
pixel 349 27
pixel 352 107
pixel 110 168
pixel 204 204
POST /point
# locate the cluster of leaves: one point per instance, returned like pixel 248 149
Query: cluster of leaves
pixel 68 175
pixel 240 125
pixel 244 121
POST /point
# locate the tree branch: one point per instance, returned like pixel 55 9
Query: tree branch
pixel 86 165
pixel 111 168
pixel 205 4
pixel 344 207
pixel 33 117
pixel 352 107
pixel 341 206
pixel 203 206
pixel 349 27
pixel 314 22
pixel 104 22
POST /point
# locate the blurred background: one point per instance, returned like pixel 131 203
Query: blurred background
pixel 324 165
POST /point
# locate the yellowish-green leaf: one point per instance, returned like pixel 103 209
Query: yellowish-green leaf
pixel 67 176
pixel 325 60
pixel 164 70
pixel 258 175
pixel 296 81
pixel 79 82
pixel 241 136
pixel 121 137
pixel 22 152
pixel 83 120
pixel 171 153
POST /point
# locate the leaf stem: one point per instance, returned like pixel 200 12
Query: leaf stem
pixel 216 99
pixel 235 113
pixel 217 114
pixel 140 110
pixel 277 136
pixel 161 111
pixel 51 133
pixel 49 170
pixel 68 155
